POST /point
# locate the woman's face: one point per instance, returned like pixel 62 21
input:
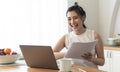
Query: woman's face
pixel 75 21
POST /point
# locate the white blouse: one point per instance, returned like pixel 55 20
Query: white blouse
pixel 87 36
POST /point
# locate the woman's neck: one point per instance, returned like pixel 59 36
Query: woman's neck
pixel 78 32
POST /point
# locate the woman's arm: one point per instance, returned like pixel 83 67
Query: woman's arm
pixel 58 47
pixel 99 51
pixel 59 55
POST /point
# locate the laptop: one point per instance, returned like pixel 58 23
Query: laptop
pixel 39 56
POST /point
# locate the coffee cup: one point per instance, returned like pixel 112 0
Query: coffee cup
pixel 65 65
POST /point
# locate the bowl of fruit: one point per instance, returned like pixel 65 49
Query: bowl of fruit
pixel 8 56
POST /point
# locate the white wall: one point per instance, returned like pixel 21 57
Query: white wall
pixel 106 8
pixel 115 20
pixel 117 23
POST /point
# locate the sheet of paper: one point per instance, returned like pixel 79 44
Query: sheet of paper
pixel 77 49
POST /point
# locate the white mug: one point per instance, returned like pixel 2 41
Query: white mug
pixel 65 65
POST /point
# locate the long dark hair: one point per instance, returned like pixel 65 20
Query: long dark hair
pixel 79 10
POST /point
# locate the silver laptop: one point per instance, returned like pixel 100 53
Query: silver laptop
pixel 39 56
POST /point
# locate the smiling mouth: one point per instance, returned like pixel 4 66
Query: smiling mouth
pixel 74 26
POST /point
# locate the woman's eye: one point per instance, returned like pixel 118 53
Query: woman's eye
pixel 69 19
pixel 75 17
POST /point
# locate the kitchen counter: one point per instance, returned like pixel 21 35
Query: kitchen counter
pixel 116 48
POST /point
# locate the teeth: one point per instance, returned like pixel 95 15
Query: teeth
pixel 74 25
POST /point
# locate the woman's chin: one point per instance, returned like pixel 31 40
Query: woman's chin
pixel 74 29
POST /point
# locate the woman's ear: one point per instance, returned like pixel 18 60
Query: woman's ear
pixel 83 18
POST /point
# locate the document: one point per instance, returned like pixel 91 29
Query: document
pixel 77 49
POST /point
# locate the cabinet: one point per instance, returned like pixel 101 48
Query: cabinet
pixel 112 61
pixel 107 66
pixel 115 61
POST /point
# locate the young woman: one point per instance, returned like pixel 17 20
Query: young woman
pixel 76 17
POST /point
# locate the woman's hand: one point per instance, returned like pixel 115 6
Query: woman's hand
pixel 59 55
pixel 88 56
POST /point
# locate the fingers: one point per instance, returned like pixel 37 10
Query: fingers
pixel 87 56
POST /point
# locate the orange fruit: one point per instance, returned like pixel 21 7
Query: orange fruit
pixel 7 50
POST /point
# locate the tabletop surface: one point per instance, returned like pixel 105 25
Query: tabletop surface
pixel 22 67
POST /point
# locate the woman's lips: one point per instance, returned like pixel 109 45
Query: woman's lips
pixel 74 26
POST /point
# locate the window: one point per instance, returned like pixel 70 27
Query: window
pixel 36 22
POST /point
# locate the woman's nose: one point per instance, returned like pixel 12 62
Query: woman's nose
pixel 72 21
